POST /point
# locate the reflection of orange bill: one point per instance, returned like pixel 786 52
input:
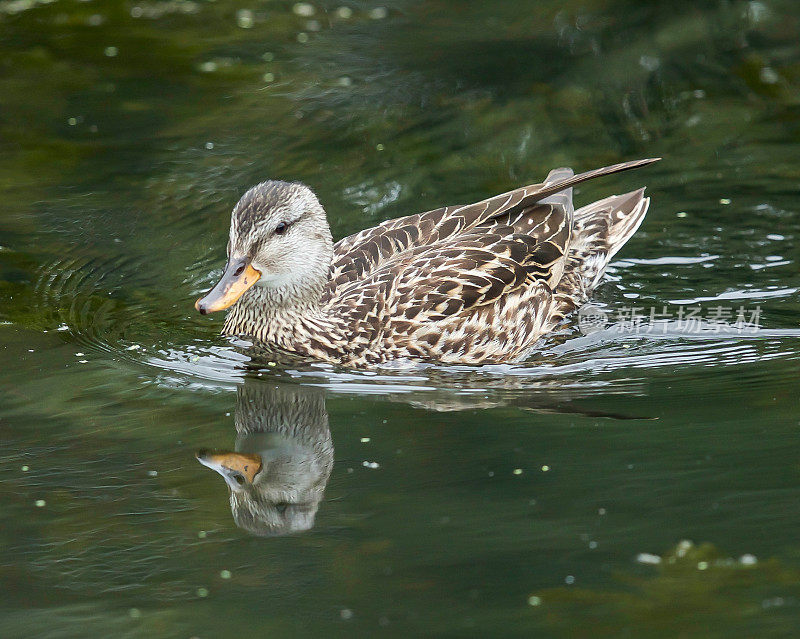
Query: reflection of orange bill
pixel 239 275
pixel 229 462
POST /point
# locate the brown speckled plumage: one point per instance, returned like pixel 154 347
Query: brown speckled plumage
pixel 463 284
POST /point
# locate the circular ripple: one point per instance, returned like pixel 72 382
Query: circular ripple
pixel 122 306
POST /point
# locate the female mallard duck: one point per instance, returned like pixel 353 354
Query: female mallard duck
pixel 470 284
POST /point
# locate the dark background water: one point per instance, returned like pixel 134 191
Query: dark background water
pixel 501 501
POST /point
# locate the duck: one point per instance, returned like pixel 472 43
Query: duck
pixel 472 284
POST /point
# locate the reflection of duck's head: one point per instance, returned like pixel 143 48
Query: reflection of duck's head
pixel 283 458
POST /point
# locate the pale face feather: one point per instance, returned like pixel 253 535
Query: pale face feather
pixel 282 229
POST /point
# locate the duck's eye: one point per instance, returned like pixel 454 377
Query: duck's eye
pixel 238 479
pixel 281 228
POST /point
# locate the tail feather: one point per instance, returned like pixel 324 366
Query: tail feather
pixel 620 214
pixel 600 230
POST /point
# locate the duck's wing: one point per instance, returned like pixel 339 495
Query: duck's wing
pixel 529 210
pixel 447 280
pixel 539 222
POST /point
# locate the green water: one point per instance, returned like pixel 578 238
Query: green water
pixel 526 500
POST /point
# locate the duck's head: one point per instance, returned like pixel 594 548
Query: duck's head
pixel 279 239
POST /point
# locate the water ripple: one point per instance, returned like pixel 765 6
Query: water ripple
pixel 122 307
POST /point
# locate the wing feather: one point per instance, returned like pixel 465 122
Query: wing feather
pixel 448 279
pixel 529 230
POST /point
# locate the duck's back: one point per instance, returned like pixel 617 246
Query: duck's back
pixel 480 282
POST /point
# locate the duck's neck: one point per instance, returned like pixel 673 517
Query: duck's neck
pixel 288 317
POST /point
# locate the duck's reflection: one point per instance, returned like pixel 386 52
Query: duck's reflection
pixel 283 458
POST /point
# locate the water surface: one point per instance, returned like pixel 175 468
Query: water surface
pixel 550 498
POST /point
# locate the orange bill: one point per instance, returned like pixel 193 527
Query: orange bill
pixel 239 275
pixel 236 468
